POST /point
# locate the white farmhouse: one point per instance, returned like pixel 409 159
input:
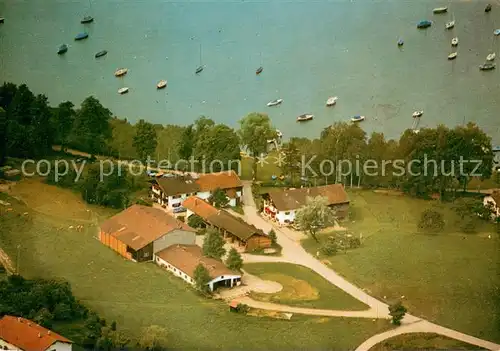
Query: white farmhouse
pixel 21 334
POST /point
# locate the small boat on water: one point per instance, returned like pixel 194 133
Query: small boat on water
pixel 305 117
pixel 81 36
pixel 487 8
pixel 331 101
pixel 454 41
pixel 487 66
pixel 439 10
pixel 358 118
pixel 400 42
pixel 496 32
pixel 122 91
pixel 62 49
pixel 450 25
pixel 87 19
pixel 491 57
pixel 418 114
pixel 424 24
pixel 259 70
pixel 101 53
pixel 2 20
pixel 199 69
pixel 161 84
pixel 452 56
pixel 274 102
pixel 121 72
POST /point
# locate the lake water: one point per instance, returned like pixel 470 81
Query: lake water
pixel 310 50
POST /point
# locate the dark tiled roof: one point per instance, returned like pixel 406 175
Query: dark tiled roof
pixel 296 198
pixel 178 185
pixel 186 184
pixel 221 180
pixel 188 257
pixel 221 219
pixel 138 226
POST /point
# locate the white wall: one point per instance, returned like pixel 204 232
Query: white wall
pixel 159 261
pixel 203 195
pixel 281 216
pixel 60 346
pixel 232 202
pixel 9 346
pixel 224 277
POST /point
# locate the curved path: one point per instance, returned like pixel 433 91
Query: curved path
pixel 293 252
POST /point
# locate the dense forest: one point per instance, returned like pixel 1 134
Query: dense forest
pixel 29 127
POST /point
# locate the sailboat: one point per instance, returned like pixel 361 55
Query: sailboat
pixel 200 67
pixel 451 24
pixel 260 69
pixel 88 19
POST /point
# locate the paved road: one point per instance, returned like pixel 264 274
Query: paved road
pixel 294 253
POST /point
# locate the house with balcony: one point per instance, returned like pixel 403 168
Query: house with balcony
pixel 171 191
pixel 282 205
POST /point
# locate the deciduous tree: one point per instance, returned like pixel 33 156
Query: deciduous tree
pixel 234 260
pixel 213 245
pixel 397 311
pixel 314 216
pixel 195 221
pixel 218 198
pixel 145 139
pixel 202 278
pixel 63 118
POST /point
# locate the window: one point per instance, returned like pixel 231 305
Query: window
pixel 146 254
pixel 287 213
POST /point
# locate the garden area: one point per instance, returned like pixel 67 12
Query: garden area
pixel 302 288
pixel 448 277
pixel 138 295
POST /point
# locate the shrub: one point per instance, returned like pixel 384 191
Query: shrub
pixel 353 242
pixel 272 236
pixel 242 308
pixel 431 220
pixel 195 221
pixel 330 248
pixel 397 312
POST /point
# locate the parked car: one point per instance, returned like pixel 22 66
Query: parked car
pixel 179 210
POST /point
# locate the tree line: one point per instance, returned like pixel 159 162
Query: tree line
pixel 29 127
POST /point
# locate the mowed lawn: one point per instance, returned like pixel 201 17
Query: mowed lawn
pixel 450 278
pixel 302 287
pixel 137 295
pixel 264 171
pixel 422 341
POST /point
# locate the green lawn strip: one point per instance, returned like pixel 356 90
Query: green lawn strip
pixel 302 287
pixel 449 278
pixel 422 341
pixel 264 170
pixel 137 295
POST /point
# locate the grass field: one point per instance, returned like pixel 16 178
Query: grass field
pixel 138 295
pixel 302 287
pixel 451 278
pixel 422 341
pixel 264 172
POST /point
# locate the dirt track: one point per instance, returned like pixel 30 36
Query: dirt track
pixel 6 262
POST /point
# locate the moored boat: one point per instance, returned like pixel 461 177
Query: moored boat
pixel 496 32
pixel 418 114
pixel 452 56
pixel 259 70
pixel 161 84
pixel 450 25
pixel 122 91
pixel 305 117
pixel 199 69
pixel 487 8
pixel 331 101
pixel 454 41
pixel 357 118
pixel 274 102
pixel 87 19
pixel 62 49
pixel 424 24
pixel 491 57
pixel 101 53
pixel 438 10
pixel 400 42
pixel 487 66
pixel 2 20
pixel 121 72
pixel 81 36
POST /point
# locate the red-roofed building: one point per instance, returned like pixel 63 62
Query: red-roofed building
pixel 24 335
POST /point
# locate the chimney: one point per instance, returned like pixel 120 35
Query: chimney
pixel 19 319
pixel 48 333
pixel 39 335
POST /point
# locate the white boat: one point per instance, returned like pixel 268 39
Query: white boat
pixel 496 32
pixel 440 10
pixel 161 84
pixel 121 72
pixel 2 20
pixel 450 25
pixel 454 41
pixel 331 101
pixel 452 56
pixel 123 90
pixel 358 118
pixel 491 57
pixel 418 114
pixel 305 117
pixel 275 102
